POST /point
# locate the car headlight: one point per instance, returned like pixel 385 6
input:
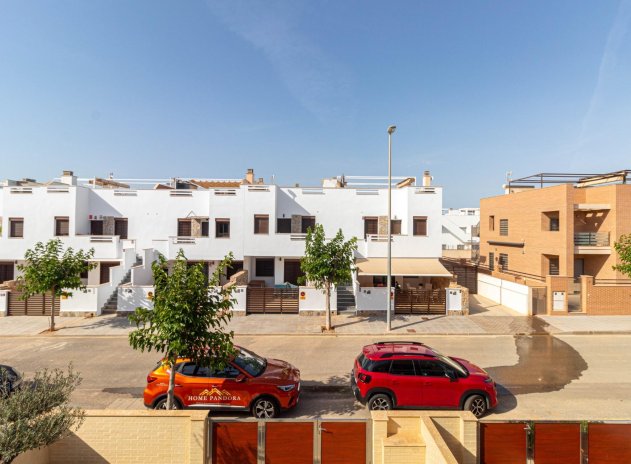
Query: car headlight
pixel 286 388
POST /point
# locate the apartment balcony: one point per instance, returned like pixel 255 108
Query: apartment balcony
pixel 106 247
pixel 416 246
pixel 592 243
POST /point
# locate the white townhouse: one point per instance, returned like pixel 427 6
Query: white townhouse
pixel 127 222
pixel 461 232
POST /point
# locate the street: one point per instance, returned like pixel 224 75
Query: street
pixel 538 376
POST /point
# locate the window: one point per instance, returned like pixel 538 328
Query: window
pixel 307 222
pixel 503 262
pixel 222 228
pixel 120 228
pixel 371 226
pixel 229 372
pixel 373 366
pixel 6 272
pixel 554 224
pixel 491 222
pixel 96 227
pixel 205 228
pixel 395 227
pixel 420 225
pixel 503 226
pixel 16 227
pixel 261 224
pixel 402 367
pixel 62 227
pixel 491 261
pixel 553 265
pixel 265 267
pixel 283 225
pixel 428 368
pixel 193 370
pixel 184 228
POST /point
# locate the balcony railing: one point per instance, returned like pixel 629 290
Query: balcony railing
pixel 591 239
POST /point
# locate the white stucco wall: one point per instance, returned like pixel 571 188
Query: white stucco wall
pixel 371 299
pixel 130 298
pixel 312 299
pixel 514 296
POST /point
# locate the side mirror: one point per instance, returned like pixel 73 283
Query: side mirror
pixel 240 378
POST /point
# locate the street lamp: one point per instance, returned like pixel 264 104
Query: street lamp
pixel 391 130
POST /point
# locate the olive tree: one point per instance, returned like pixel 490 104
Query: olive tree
pixel 38 414
pixel 188 317
pixel 623 248
pixel 327 263
pixel 50 268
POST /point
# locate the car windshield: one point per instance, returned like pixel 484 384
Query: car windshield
pixel 450 362
pixel 250 362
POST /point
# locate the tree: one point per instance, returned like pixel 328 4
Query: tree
pixel 38 414
pixel 327 263
pixel 49 268
pixel 187 317
pixel 623 248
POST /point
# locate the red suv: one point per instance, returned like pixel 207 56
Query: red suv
pixel 412 375
pixel 249 383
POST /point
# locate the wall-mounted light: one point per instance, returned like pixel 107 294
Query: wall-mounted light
pixel 280 259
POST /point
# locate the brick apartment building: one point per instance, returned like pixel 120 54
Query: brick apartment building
pixel 555 234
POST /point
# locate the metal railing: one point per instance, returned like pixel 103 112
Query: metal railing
pixel 591 238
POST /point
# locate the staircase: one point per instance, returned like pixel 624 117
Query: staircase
pixel 111 306
pixel 345 298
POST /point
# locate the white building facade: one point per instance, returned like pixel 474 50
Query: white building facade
pixel 264 227
pixel 461 232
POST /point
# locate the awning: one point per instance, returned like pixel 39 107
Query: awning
pixel 422 267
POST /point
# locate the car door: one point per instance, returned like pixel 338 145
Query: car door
pixel 439 390
pixel 406 385
pixel 192 385
pixel 232 387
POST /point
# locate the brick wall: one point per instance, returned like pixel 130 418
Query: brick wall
pixel 129 437
pixel 606 299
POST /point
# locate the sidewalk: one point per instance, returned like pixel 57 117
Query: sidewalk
pixel 486 318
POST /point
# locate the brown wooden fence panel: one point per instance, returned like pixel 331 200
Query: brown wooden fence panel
pixel 466 273
pixel 267 300
pixel 234 442
pixel 557 443
pixel 502 443
pixel 609 443
pixel 37 305
pixel 415 301
pixel 289 442
pixel 343 442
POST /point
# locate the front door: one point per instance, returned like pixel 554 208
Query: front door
pixel 579 267
pixel 438 389
pixel 292 271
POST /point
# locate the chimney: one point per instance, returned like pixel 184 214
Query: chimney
pixel 249 176
pixel 427 179
pixel 68 178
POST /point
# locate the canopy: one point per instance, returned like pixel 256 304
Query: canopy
pixel 421 267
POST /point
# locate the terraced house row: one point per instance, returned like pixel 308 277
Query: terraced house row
pixel 127 222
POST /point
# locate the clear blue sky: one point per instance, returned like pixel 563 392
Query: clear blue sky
pixel 304 89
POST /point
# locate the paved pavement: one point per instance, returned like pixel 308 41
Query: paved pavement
pixel 486 318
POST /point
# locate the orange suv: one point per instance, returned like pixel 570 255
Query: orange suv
pixel 249 383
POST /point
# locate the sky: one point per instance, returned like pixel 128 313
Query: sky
pixel 302 90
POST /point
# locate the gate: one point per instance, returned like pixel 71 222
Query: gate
pixel 466 273
pixel 285 441
pixel 415 301
pixel 554 442
pixel 37 305
pixel 267 300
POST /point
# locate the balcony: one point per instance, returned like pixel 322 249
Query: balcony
pixel 422 246
pixel 592 243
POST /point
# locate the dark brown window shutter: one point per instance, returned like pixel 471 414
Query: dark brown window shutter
pixel 16 227
pixel 184 228
pixel 420 226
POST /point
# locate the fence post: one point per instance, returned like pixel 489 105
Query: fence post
pixel 260 455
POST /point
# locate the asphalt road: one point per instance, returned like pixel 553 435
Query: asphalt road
pixel 540 376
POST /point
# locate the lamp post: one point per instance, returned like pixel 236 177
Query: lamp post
pixel 391 130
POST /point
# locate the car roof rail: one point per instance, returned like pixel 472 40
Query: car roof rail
pixel 399 343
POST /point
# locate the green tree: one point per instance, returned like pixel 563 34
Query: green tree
pixel 623 248
pixel 187 317
pixel 48 268
pixel 38 414
pixel 326 264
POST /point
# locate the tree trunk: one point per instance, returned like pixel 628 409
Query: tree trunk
pixel 170 396
pixel 327 291
pixel 52 311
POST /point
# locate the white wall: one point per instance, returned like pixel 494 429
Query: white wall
pixel 371 299
pixel 514 296
pixel 130 298
pixel 240 294
pixel 4 303
pixel 143 274
pixel 312 299
pixel 81 301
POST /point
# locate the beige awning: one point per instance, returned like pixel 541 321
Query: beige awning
pixel 422 267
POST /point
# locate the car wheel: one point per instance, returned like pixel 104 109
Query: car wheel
pixel 162 404
pixel 380 402
pixel 476 404
pixel 265 408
